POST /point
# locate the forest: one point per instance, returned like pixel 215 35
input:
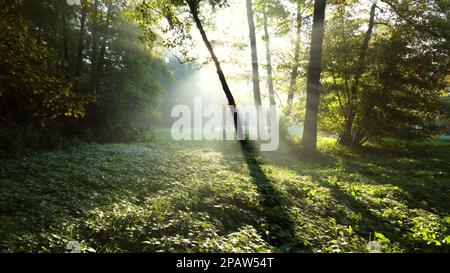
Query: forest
pixel 94 95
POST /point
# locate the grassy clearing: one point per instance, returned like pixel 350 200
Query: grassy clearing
pixel 215 196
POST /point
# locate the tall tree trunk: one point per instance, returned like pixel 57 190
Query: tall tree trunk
pixel 97 66
pixel 294 72
pixel 254 53
pixel 347 135
pixel 94 46
pixel 64 33
pixel 193 7
pixel 269 61
pixel 79 62
pixel 101 55
pixel 65 42
pixel 313 83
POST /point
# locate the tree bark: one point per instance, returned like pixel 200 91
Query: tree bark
pixel 254 53
pixel 347 136
pixel 94 46
pixel 269 61
pixel 65 43
pixel 313 82
pixel 193 7
pixel 79 63
pixel 101 56
pixel 64 32
pixel 294 72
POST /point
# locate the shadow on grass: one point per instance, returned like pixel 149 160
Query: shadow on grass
pixel 423 185
pixel 369 223
pixel 420 170
pixel 280 227
pixel 408 170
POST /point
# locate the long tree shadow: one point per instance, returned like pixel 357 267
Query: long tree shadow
pixel 422 187
pixel 279 230
pixel 370 222
pixel 356 212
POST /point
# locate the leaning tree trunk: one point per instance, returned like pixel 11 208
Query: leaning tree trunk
pixel 294 72
pixel 347 136
pixel 226 89
pixel 269 62
pixel 313 83
pixel 254 53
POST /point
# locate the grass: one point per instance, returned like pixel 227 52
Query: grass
pixel 226 197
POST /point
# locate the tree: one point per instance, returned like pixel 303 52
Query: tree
pixel 94 49
pixel 427 17
pixel 296 61
pixel 193 7
pixel 348 138
pixel 313 82
pixel 79 63
pixel 31 89
pixel 53 71
pixel 384 81
pixel 272 18
pixel 254 54
pixel 268 59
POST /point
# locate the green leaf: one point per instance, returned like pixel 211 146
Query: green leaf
pixel 447 239
pixel 381 237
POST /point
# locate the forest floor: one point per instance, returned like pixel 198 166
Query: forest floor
pixel 226 197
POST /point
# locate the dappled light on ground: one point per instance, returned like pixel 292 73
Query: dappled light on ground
pixel 225 196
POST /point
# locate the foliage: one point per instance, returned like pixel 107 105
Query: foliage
pixel 31 88
pixel 211 197
pixel 401 84
pixel 84 69
pixel 98 72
